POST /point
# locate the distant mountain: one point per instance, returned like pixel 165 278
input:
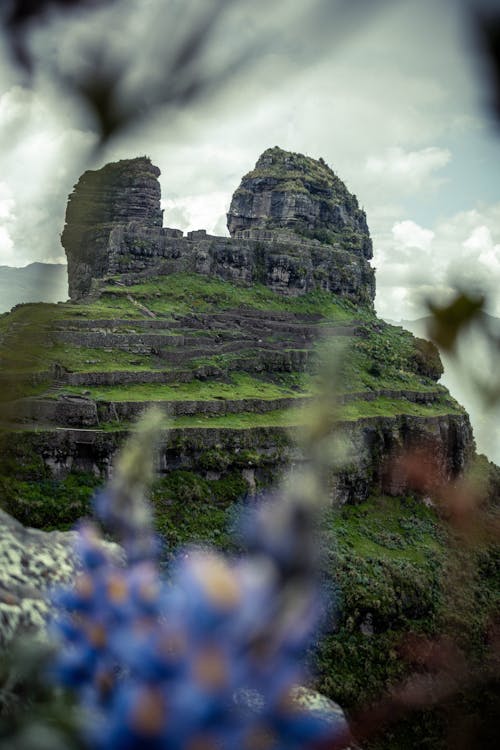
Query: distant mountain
pixel 483 417
pixel 38 282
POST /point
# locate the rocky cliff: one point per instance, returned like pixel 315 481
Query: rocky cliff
pixel 288 191
pixel 222 333
pixel 114 226
pixel 122 193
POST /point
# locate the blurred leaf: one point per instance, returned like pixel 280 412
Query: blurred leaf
pixel 487 24
pixel 98 89
pixel 449 320
pixel 186 76
pixel 20 13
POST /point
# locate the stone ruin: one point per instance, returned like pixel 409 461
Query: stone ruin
pixel 294 227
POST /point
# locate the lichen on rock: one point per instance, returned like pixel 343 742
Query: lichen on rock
pixel 32 562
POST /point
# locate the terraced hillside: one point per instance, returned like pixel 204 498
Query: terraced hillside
pixel 234 381
pixel 223 335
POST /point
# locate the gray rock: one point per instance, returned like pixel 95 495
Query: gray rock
pixel 295 192
pixel 314 237
pixel 32 563
pixel 104 199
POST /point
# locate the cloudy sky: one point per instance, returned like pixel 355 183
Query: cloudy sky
pixel 394 100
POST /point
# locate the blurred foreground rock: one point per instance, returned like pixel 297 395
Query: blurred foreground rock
pixel 32 562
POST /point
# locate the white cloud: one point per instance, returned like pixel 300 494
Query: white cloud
pixel 7 202
pixel 375 122
pixel 409 170
pixel 416 263
pixel 196 211
pixel 44 160
pixel 480 243
pixel 411 235
pixel 6 246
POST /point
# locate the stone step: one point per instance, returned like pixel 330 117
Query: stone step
pixel 214 322
pixel 114 324
pixel 138 343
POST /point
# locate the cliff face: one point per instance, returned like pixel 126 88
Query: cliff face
pixel 298 193
pixel 114 226
pixel 119 194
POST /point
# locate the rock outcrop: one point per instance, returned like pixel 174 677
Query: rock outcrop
pixel 32 562
pixel 295 192
pixel 314 237
pixel 227 346
pixel 122 193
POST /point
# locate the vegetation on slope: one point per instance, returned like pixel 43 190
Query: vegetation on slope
pixel 181 293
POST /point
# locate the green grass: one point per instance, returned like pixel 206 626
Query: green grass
pixel 77 359
pixel 244 420
pixel 382 356
pixel 84 359
pixel 105 307
pixel 239 386
pixel 182 293
pixel 296 416
pixel 396 528
pixel 388 407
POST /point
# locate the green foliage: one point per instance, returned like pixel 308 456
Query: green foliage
pixel 190 509
pixel 30 493
pixel 385 556
pixel 427 360
pixel 48 503
pixel 20 457
pixel 392 561
pixel 181 293
pixel 385 356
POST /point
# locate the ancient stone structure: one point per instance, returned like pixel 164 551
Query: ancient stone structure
pixel 295 228
pixel 119 195
pixel 316 236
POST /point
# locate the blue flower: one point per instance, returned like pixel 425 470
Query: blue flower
pixel 167 663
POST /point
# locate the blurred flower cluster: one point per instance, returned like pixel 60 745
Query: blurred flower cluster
pixel 208 657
